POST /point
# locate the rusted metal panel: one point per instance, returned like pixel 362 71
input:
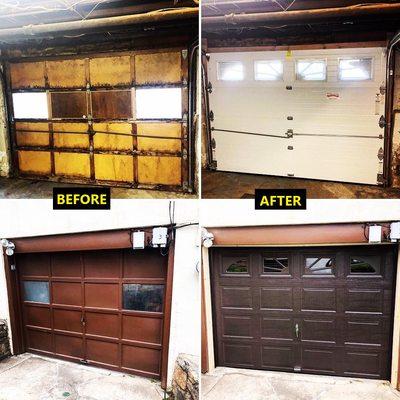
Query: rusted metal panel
pixel 66 73
pixel 72 164
pixel 27 75
pixel 169 130
pixel 34 162
pixel 108 141
pixel 69 105
pixel 32 133
pixel 112 104
pixel 158 68
pixel 110 167
pixel 159 170
pixel 110 71
pixel 70 140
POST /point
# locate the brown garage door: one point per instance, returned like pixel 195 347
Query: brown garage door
pixel 109 119
pixel 104 308
pixel 312 310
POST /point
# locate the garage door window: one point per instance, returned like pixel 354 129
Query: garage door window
pixel 30 105
pixel 268 70
pixel 276 266
pixel 163 103
pixel 140 297
pixel 319 266
pixel 230 71
pixel 355 69
pixel 311 70
pixel 235 265
pixel 36 291
pixel 368 265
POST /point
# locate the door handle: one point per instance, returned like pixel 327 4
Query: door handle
pixel 296 330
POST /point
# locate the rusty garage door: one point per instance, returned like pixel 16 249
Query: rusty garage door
pixel 103 308
pixel 118 119
pixel 312 310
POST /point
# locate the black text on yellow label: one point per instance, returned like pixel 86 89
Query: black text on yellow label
pixel 73 198
pixel 280 199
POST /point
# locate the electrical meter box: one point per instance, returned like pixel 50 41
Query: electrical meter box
pixel 395 231
pixel 160 237
pixel 375 234
pixel 138 240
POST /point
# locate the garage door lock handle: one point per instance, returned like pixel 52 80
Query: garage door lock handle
pixel 296 329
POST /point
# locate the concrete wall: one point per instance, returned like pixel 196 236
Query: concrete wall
pixel 36 217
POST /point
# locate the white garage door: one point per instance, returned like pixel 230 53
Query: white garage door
pixel 307 113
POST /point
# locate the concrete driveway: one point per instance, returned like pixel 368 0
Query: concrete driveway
pixel 241 384
pixel 31 377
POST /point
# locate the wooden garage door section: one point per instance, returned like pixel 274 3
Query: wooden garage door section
pixel 103 119
pixel 104 308
pixel 315 310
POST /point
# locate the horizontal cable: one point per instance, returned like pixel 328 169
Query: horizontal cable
pixel 94 132
pixel 299 134
pixel 249 133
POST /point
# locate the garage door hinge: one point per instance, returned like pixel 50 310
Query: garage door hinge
pixel 379 179
pixel 209 87
pixel 291 175
pixel 213 165
pixel 290 118
pixel 211 116
pixel 290 147
pixel 382 121
pixel 381 154
pixel 213 143
pixel 184 154
pixel 13 267
pixel 289 133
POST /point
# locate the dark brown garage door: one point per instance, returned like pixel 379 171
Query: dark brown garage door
pixel 312 310
pixel 104 308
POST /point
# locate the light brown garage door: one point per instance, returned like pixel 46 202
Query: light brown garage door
pixel 118 120
pixel 103 308
pixel 315 310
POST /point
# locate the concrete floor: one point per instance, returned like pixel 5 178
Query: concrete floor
pixel 30 377
pixel 240 384
pixel 30 189
pixel 231 185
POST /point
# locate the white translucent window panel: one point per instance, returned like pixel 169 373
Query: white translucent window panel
pixel 230 71
pixel 355 69
pixel 30 105
pixel 268 70
pixel 164 103
pixel 311 70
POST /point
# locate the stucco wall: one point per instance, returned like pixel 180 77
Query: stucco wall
pixel 36 217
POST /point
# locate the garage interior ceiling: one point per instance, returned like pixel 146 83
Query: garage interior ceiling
pixel 360 26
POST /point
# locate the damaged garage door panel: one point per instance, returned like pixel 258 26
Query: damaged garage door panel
pixel 168 130
pixel 159 170
pixel 69 105
pixel 158 68
pixel 65 135
pixel 34 162
pixel 112 104
pixel 110 71
pixel 105 140
pixel 110 167
pixel 28 75
pixel 32 133
pixel 72 164
pixel 66 73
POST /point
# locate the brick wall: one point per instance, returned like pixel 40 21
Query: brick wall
pixel 185 381
pixel 4 341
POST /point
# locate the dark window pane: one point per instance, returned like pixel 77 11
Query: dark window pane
pixel 319 266
pixel 237 266
pixel 143 297
pixel 276 265
pixel 364 265
pixel 36 291
pixel 68 105
pixel 112 104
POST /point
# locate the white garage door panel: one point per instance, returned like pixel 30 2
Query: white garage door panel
pixel 319 159
pixel 264 107
pixel 253 154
